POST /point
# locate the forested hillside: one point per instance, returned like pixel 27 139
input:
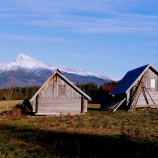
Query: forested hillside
pixel 18 93
pixel 90 89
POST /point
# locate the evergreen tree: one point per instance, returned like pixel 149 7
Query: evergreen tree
pixel 19 93
pixel 112 82
pixel 90 89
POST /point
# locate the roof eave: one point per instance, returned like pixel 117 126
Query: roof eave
pixel 68 81
pixel 74 86
pixel 140 76
pixel 35 95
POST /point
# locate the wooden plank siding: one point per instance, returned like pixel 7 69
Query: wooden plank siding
pixel 144 79
pixel 59 105
pixel 149 75
pixel 55 90
pixel 58 95
pixel 147 80
pixel 142 102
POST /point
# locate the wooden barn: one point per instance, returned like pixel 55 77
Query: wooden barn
pixel 59 96
pixel 138 89
pixel 105 97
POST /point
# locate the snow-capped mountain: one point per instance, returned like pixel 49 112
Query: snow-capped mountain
pixel 26 62
pixel 26 71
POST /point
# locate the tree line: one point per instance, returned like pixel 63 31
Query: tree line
pixel 22 93
pixel 18 93
pixel 91 89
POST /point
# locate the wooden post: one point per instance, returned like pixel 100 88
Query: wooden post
pixel 83 105
pixel 130 101
pixel 135 100
pixel 57 86
pixel 138 95
pixel 148 92
pixel 37 104
pixel 82 102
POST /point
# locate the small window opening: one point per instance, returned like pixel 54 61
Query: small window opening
pixel 153 83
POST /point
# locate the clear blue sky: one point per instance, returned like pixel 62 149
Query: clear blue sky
pixel 108 37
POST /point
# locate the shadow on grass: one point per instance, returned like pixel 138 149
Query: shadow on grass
pixel 44 143
pixel 94 109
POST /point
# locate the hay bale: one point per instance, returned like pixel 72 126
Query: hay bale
pixel 16 112
pixel 22 109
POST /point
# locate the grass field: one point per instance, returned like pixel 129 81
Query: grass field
pixel 3 104
pixel 96 134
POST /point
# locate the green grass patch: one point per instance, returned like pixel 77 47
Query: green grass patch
pixel 95 134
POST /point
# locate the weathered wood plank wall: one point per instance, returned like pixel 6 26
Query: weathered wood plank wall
pixel 142 101
pixel 58 96
pixel 59 105
pixel 153 91
pixel 147 80
pixel 149 75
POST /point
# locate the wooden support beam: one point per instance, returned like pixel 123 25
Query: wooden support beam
pixel 134 94
pixel 82 104
pixel 148 92
pixel 135 100
pixel 144 94
pixel 37 100
pixel 138 96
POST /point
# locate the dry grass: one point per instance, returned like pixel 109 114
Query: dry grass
pixel 94 106
pixel 96 134
pixel 3 104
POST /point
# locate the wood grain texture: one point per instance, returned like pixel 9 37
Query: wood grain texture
pixel 59 96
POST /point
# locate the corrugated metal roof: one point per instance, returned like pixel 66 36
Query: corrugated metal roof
pixel 129 79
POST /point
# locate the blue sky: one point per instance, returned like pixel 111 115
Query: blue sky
pixel 107 37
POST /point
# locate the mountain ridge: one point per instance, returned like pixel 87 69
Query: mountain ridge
pixel 27 71
pixel 26 62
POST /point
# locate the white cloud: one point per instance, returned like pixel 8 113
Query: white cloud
pixel 64 6
pixel 32 38
pixel 86 16
pixel 124 24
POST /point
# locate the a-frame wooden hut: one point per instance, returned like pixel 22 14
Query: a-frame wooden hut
pixel 138 89
pixel 59 96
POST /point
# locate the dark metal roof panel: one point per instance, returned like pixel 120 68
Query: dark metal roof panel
pixel 128 80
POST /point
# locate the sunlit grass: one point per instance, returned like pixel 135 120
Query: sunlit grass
pixel 95 134
pixel 3 104
pixel 93 105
